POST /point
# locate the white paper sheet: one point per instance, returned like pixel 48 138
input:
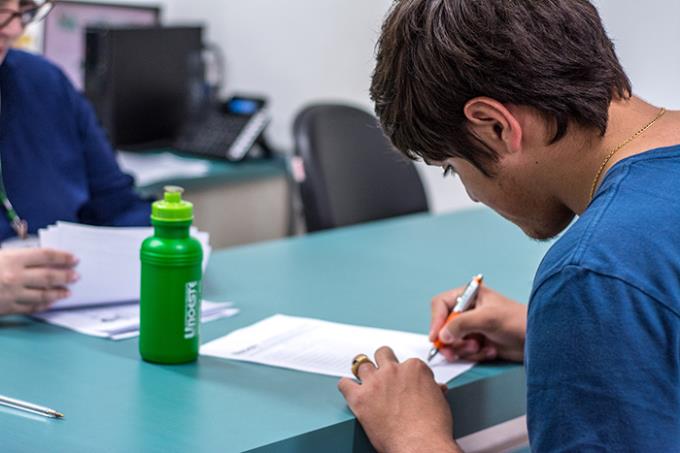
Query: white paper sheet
pixel 109 264
pixel 118 322
pixel 151 168
pixel 322 347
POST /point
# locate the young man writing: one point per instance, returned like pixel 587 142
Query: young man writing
pixel 528 104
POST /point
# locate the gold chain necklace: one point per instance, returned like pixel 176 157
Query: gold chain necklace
pixel 613 151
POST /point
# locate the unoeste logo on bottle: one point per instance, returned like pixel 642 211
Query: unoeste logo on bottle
pixel 191 295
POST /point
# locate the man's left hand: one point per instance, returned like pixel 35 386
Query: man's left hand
pixel 400 406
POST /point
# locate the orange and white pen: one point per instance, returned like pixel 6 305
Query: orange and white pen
pixel 463 302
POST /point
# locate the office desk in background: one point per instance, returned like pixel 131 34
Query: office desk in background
pixel 237 203
pixel 382 274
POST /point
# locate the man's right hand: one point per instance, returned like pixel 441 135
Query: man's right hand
pixel 494 329
pixel 32 279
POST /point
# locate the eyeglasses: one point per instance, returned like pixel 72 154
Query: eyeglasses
pixel 28 13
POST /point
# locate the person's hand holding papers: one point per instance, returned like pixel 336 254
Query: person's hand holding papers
pixel 32 279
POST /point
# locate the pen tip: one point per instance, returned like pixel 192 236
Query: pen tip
pixel 58 415
pixel 431 354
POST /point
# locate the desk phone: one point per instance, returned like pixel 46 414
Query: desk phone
pixel 226 132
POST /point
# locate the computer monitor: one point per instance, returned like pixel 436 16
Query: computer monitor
pixel 64 32
pixel 144 81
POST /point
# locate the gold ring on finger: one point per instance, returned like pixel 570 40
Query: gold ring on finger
pixel 357 361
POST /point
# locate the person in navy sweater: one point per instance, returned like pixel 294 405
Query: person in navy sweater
pixel 57 164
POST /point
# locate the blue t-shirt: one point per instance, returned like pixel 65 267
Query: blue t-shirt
pixel 603 331
pixel 56 161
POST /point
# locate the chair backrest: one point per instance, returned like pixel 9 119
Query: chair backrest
pixel 352 172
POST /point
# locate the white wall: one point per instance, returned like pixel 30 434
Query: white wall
pixel 302 51
pixel 295 51
pixel 647 39
pixel 299 51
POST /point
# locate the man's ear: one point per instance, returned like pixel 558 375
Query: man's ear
pixel 494 124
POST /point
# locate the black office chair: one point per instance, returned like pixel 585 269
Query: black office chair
pixel 352 172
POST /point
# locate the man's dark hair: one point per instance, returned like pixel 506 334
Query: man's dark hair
pixel 435 55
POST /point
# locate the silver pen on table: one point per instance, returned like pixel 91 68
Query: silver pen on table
pixel 30 407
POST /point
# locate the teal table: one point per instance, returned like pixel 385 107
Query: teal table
pixel 382 275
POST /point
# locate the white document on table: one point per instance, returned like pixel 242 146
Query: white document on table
pixel 109 265
pixel 323 347
pixel 150 168
pixel 118 322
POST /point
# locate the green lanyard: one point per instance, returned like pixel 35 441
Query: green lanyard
pixel 19 225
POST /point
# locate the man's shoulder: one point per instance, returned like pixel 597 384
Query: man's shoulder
pixel 35 70
pixel 27 60
pixel 630 230
pixel 39 83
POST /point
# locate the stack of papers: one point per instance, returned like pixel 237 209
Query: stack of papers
pixel 323 347
pixel 150 168
pixel 109 264
pixel 119 322
pixel 104 302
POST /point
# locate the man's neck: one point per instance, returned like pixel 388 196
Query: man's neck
pixel 583 152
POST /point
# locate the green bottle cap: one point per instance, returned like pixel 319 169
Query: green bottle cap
pixel 172 208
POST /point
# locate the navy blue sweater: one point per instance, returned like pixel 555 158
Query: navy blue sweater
pixel 56 161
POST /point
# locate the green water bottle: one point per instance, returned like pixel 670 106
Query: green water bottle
pixel 170 300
